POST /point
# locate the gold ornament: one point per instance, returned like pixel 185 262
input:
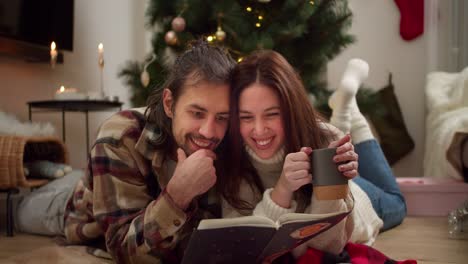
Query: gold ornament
pixel 170 38
pixel 145 78
pixel 178 24
pixel 220 34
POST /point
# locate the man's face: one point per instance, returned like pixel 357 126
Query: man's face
pixel 200 115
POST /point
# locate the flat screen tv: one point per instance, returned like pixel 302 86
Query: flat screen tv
pixel 33 24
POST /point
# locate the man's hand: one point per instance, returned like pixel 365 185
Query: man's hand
pixel 193 175
pixel 296 173
pixel 345 154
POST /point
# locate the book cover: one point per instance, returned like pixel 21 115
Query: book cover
pixel 254 239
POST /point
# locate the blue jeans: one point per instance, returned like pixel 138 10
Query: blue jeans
pixel 377 180
pixel 42 211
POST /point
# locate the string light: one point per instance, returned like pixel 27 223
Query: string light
pixel 210 38
pixel 240 59
pixel 260 17
pixel 312 2
pixel 258 24
pixel 249 9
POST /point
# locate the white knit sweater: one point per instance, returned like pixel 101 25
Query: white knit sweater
pixel 361 226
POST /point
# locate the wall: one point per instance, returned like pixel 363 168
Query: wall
pixel 376 26
pixel 119 25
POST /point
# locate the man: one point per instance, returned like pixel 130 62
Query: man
pixel 149 172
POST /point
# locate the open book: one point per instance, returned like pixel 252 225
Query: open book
pixel 254 239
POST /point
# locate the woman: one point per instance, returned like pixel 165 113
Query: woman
pixel 271 120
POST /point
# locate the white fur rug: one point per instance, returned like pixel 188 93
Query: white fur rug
pixel 10 125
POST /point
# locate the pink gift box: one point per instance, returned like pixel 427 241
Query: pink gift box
pixel 432 196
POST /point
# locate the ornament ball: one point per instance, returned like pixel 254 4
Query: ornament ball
pixel 170 38
pixel 178 24
pixel 220 34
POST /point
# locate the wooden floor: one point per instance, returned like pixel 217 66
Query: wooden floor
pixel 423 239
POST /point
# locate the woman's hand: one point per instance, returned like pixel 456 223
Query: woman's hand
pixel 345 154
pixel 296 173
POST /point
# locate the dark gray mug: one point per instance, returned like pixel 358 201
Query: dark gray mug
pixel 329 183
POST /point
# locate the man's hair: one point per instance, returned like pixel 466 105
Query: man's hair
pixel 201 62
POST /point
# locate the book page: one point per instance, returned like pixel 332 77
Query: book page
pixel 238 221
pixel 301 217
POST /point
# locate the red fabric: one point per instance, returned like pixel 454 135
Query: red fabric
pixel 312 256
pixel 412 18
pixel 362 254
pixel 353 253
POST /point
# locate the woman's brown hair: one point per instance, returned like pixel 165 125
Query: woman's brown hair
pixel 300 121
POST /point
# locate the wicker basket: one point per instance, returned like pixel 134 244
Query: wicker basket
pixel 16 150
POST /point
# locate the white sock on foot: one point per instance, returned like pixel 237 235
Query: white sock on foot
pixel 341 100
pixel 360 129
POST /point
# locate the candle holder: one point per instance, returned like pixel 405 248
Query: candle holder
pixel 53 60
pixel 101 71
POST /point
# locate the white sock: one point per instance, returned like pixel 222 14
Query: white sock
pixel 360 129
pixel 341 100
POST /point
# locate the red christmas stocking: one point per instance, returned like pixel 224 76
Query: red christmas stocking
pixel 412 18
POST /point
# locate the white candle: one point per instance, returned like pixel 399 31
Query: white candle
pixel 53 54
pixel 101 52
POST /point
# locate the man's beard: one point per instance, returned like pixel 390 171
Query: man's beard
pixel 213 143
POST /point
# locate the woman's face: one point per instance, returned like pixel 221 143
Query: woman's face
pixel 261 124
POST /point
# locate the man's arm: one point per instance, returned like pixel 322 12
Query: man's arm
pixel 136 227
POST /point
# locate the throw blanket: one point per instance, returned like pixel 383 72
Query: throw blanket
pixel 353 253
pixel 446 124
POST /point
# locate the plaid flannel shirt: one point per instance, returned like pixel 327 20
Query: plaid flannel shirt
pixel 114 198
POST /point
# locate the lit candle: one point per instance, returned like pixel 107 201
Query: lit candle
pixel 64 93
pixel 101 54
pixel 53 54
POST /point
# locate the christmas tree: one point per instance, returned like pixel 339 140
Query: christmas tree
pixel 307 32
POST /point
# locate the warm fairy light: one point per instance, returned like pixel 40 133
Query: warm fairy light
pixel 258 24
pixel 312 2
pixel 210 38
pixel 249 9
pixel 53 46
pixel 62 89
pixel 240 59
pixel 260 17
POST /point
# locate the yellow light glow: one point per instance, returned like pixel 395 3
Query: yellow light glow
pixel 240 59
pixel 210 38
pixel 249 9
pixel 260 17
pixel 100 48
pixel 53 46
pixel 312 2
pixel 62 89
pixel 258 24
